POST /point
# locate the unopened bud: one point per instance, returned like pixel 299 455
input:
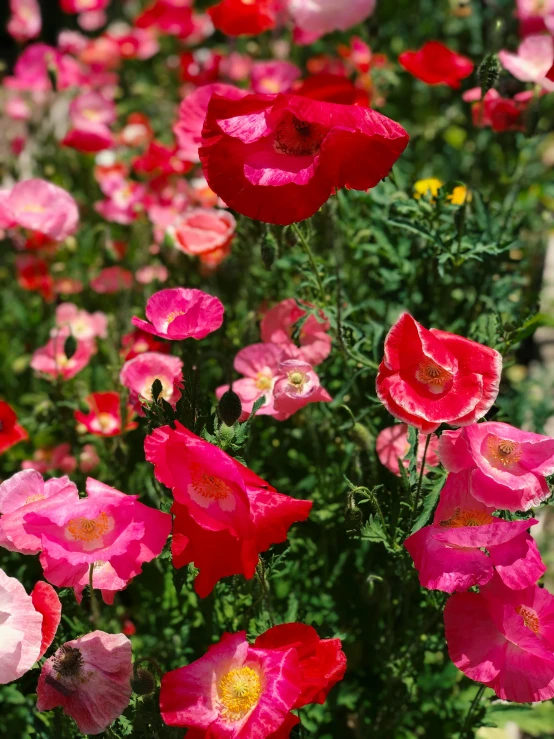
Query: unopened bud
pixel 143 682
pixel 229 407
pixel 489 72
pixel 70 346
pixel 157 388
pixel 352 513
pixel 361 436
pixel 270 250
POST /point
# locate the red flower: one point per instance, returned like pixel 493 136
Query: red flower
pixel 429 377
pixel 159 159
pixel 244 17
pixel 10 431
pixel 201 67
pixel 33 274
pixel 137 342
pixel 168 16
pixel 104 417
pixel 332 88
pixel 436 64
pixel 322 661
pixel 278 158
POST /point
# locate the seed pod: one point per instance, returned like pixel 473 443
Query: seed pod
pixel 157 388
pixel 143 682
pixel 229 407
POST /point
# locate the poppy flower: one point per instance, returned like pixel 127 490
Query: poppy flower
pixel 137 342
pixel 80 6
pixel 274 76
pixel 112 280
pixel 296 386
pixel 392 446
pixel 10 431
pixel 139 373
pixel 244 17
pixel 535 16
pixel 34 275
pixel 104 417
pixel 278 158
pixel 25 21
pixel 200 67
pixel 429 377
pixel 88 459
pixel 507 466
pixel 202 231
pixel 27 492
pixel 89 138
pixel 51 459
pixel 234 690
pixel 181 313
pixel 90 678
pixel 322 663
pixel 159 160
pixel 320 17
pixel 532 62
pixel 504 639
pixel 34 66
pixel 28 626
pixel 499 113
pixel 84 326
pixel 466 544
pixel 278 326
pixel 436 64
pixel 173 17
pixel 225 515
pixel 52 359
pixel 106 526
pixel 332 88
pixel 40 206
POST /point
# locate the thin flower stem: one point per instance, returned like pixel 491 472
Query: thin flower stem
pixel 466 728
pixel 301 238
pixel 93 601
pixel 421 473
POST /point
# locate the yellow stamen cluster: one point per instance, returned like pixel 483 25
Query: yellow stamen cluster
pixel 530 618
pixel 504 451
pixel 433 375
pixel 263 381
pixel 239 691
pixel 88 529
pixel 209 486
pixel 34 498
pixel 467 517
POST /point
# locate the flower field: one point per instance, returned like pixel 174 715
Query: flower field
pixel 277 408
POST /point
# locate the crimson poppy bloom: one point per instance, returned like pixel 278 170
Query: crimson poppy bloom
pixel 429 377
pixel 10 431
pixel 244 17
pixel 278 158
pixel 436 64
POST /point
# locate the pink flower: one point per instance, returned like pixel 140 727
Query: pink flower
pixel 90 678
pixel 48 460
pixel 429 377
pixel 137 342
pixel 203 232
pixel 535 16
pixel 27 492
pixel 449 554
pixel 25 22
pixel 533 60
pixel 27 627
pixel 505 639
pixel 88 459
pixel 234 691
pixel 296 386
pixel 92 20
pixel 274 76
pixel 52 360
pixel 124 203
pixel 18 110
pixel 507 466
pixel 319 17
pixel 32 70
pixel 151 273
pixel 84 326
pixel 215 496
pixel 181 313
pixel 278 324
pixel 392 446
pixel 92 107
pixel 139 373
pixel 112 280
pixel 82 6
pixel 104 418
pixel 106 526
pixel 192 113
pixel 40 206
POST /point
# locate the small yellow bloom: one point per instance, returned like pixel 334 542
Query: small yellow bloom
pixel 459 195
pixel 430 186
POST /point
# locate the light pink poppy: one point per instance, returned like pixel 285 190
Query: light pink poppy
pixel 466 544
pixel 392 446
pixel 533 60
pixel 507 465
pixel 505 639
pixel 106 526
pixel 40 206
pixel 92 107
pixel 138 374
pixel 259 365
pixel 535 16
pixel 25 21
pixel 319 17
pixel 296 386
pixel 52 360
pixel 112 280
pixel 278 326
pixel 84 326
pixel 104 416
pixel 27 492
pixel 92 20
pixel 124 204
pixel 152 273
pixel 203 231
pixel 192 112
pixel 88 459
pixel 18 110
pixel 90 678
pixel 181 313
pixel 27 627
pixel 274 76
pixel 234 691
pixel 49 460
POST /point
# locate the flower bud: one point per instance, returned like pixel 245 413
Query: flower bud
pixel 270 250
pixel 229 407
pixel 70 346
pixel 361 436
pixel 143 682
pixel 488 73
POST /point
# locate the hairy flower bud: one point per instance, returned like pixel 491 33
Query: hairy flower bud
pixel 143 682
pixel 488 73
pixel 270 250
pixel 229 407
pixel 70 346
pixel 361 436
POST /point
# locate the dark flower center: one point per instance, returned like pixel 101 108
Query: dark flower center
pixel 296 137
pixel 68 661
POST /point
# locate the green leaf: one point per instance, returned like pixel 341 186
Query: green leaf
pixel 429 504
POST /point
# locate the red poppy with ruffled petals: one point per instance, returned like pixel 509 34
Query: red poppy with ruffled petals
pixel 278 158
pixel 429 377
pixel 322 661
pixel 10 431
pixel 244 17
pixel 104 416
pixel 436 64
pixel 33 275
pixel 138 342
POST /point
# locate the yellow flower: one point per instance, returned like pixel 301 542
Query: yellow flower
pixel 430 186
pixel 459 195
